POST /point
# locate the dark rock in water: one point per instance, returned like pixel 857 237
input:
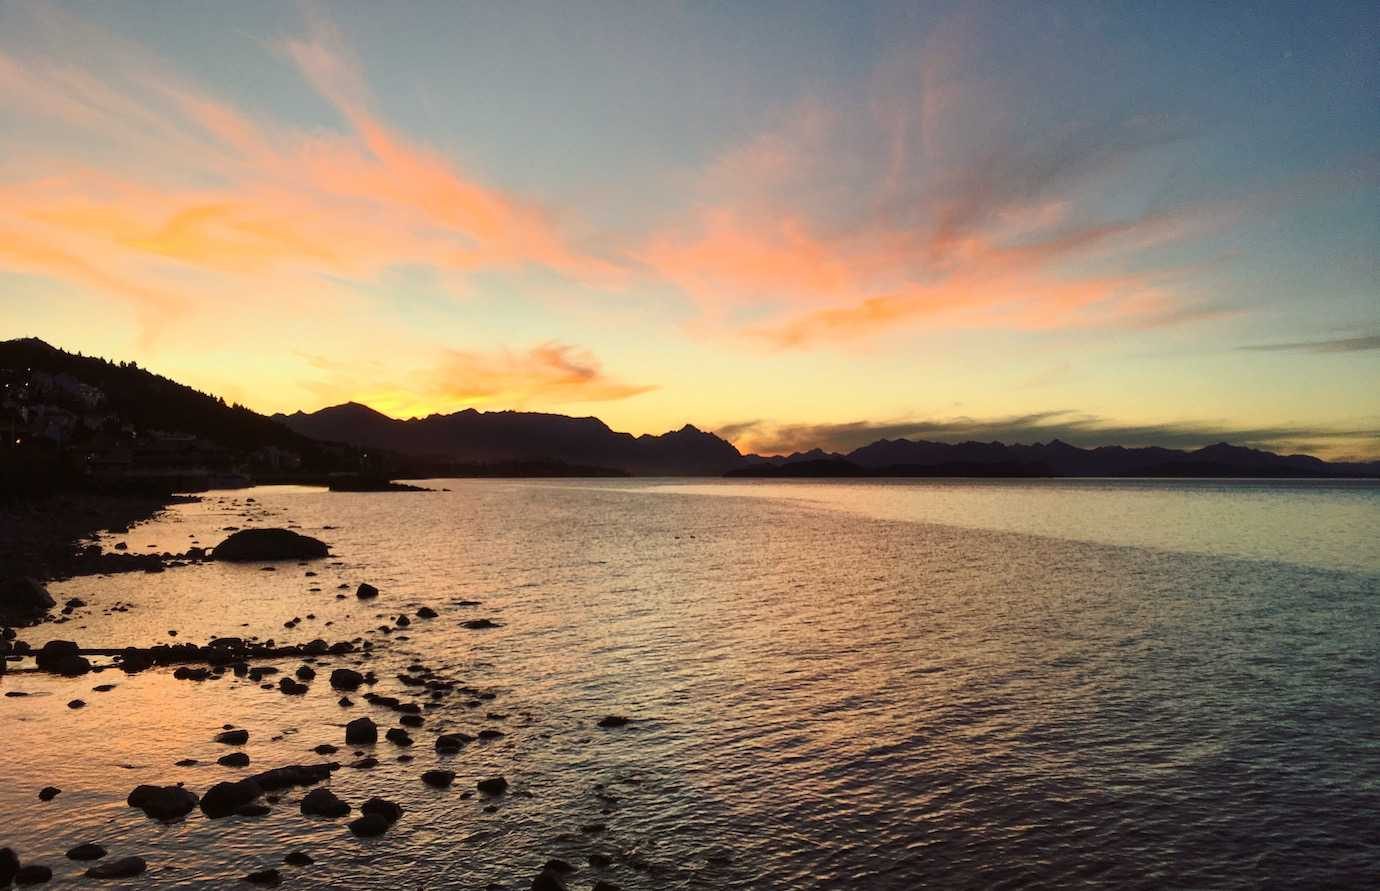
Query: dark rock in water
pixel 103 688
pixel 614 721
pixel 234 759
pixel 365 763
pixel 412 720
pixel 123 868
pixel 556 864
pixel 298 858
pixel 269 544
pixel 344 702
pixel 450 743
pixel 438 779
pixel 291 688
pixel 165 803
pixel 599 861
pixel 253 810
pixel 323 803
pixel 223 799
pixel 389 810
pixel 48 793
pixel 493 785
pixel 269 878
pixel 305 673
pixel 187 762
pixel 479 624
pixel 61 657
pixel 233 737
pixel 366 591
pixel 9 865
pixel 370 825
pixel 361 731
pixel 594 828
pixel 77 703
pixel 88 851
pixel 346 679
pixel 32 874
pixel 23 600
pixel 326 749
pixel 603 885
pixel 295 775
pixel 426 612
pixel 398 736
pixel 548 881
pixel 488 735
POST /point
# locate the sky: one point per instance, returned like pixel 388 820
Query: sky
pixel 796 224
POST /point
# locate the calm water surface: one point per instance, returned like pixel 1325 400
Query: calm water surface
pixel 873 685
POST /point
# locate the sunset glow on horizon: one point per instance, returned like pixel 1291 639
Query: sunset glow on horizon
pixel 798 226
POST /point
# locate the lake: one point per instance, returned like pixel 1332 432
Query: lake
pixel 852 685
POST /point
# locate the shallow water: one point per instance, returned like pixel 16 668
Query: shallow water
pixel 837 685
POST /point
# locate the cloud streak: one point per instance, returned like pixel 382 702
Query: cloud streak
pixel 1340 345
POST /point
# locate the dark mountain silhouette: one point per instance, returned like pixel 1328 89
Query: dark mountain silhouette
pixel 149 401
pixel 476 437
pixel 903 457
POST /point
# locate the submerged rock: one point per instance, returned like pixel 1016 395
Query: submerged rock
pixel 493 785
pixel 269 544
pixel 295 775
pixel 88 851
pixel 298 858
pixel 610 721
pixel 48 793
pixel 233 737
pixel 33 874
pixel 123 868
pixel 438 779
pixel 269 878
pixel 323 803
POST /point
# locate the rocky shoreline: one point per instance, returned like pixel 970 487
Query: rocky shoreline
pixel 49 538
pixel 344 671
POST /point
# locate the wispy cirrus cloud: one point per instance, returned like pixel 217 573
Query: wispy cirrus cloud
pixel 198 203
pixel 1076 428
pixel 1337 345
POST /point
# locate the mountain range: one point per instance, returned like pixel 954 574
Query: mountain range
pixel 472 442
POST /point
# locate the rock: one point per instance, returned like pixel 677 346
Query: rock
pixel 295 775
pixel 61 657
pixel 269 544
pixel 426 612
pixel 234 759
pixel 450 743
pixel 305 673
pixel 556 864
pixel 370 825
pixel 493 785
pixel 76 704
pixel 412 720
pixel 123 868
pixel 599 861
pixel 48 793
pixel 298 858
pixel 326 749
pixel 609 721
pixel 488 735
pixel 346 679
pixel 548 881
pixel 365 763
pixel 398 736
pixel 361 731
pixel 479 624
pixel 253 810
pixel 22 600
pixel 88 851
pixel 366 591
pixel 594 828
pixel 32 874
pixel 9 865
pixel 164 803
pixel 223 799
pixel 603 885
pixel 269 878
pixel 389 810
pixel 233 737
pixel 438 779
pixel 323 803
pixel 291 688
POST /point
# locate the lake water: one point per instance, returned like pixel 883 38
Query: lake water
pixel 842 685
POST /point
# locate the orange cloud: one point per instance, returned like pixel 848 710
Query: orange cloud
pixel 546 374
pixel 205 200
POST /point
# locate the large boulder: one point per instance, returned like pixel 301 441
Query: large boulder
pixel 62 657
pixel 223 799
pixel 269 544
pixel 23 600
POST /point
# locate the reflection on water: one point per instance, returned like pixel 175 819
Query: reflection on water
pixel 827 698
